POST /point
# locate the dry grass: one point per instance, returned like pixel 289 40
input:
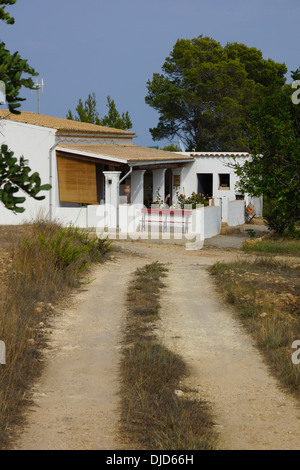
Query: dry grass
pixel 153 416
pixel 266 295
pixel 36 277
pixel 276 246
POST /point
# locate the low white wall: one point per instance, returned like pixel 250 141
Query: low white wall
pixel 171 221
pixel 96 216
pixel 236 213
pixel 198 222
pixel 76 216
pixel 205 221
pixel 92 216
pixel 212 221
pixel 131 220
pixel 129 217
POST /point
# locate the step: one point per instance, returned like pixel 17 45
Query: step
pixel 153 238
pixel 227 230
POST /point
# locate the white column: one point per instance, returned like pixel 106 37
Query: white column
pixel 137 187
pixel 159 183
pixel 112 198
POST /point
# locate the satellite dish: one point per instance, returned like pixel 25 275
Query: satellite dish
pixel 2 92
pixel 181 145
pixel 39 85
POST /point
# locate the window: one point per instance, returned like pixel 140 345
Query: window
pixel 224 181
pixel 205 184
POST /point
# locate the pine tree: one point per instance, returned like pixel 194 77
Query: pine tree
pixel 87 112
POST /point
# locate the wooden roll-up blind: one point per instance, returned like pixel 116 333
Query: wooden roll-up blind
pixel 77 181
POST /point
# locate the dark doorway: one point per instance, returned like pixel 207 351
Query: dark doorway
pixel 168 186
pixel 148 189
pixel 205 184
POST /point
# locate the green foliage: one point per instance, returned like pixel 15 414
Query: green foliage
pixel 280 246
pixel 72 247
pixel 248 310
pixel 296 74
pixel 3 14
pixel 113 117
pixel 251 233
pixel 68 251
pixel 87 112
pixel 273 127
pixel 218 269
pixel 205 90
pixel 171 148
pixel 13 67
pixel 63 249
pixel 14 176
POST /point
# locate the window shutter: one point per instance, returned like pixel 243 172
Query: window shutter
pixel 77 181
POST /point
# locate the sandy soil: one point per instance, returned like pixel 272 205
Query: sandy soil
pixel 76 400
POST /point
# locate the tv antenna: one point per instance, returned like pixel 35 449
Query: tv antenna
pixel 39 86
pixel 2 92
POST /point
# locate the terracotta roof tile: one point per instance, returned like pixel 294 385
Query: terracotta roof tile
pixel 219 154
pixel 129 153
pixel 62 125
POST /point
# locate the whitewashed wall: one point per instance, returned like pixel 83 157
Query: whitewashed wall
pixel 92 216
pixel 32 142
pixel 216 165
pixel 236 213
pixel 212 221
pixel 211 164
pixel 76 216
pixel 189 181
pixel 130 217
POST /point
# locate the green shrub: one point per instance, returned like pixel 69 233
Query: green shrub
pixel 73 247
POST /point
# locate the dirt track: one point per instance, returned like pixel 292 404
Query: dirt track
pixel 76 402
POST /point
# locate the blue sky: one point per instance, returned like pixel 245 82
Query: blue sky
pixel 113 47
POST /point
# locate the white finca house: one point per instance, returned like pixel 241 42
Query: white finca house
pixel 98 176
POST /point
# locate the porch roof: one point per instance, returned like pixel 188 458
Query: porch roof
pixel 126 154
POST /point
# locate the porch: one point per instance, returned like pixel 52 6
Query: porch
pixel 103 178
pixel 129 191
